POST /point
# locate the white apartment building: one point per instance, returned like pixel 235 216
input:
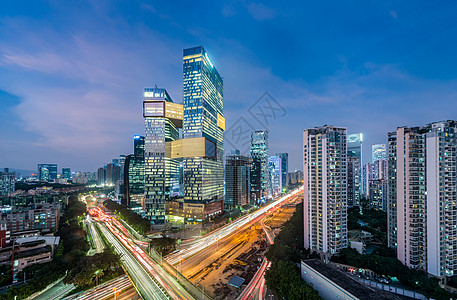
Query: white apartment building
pixel 325 189
pixel 426 212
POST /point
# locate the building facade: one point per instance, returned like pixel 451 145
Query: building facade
pixel 354 179
pixel 162 119
pixel 378 152
pixel 378 194
pixel 325 189
pixel 134 174
pixel 275 175
pixel 203 128
pixel 47 172
pixel 284 170
pixel 259 172
pixel 354 149
pixel 392 189
pixel 7 182
pixel 66 173
pixel 426 213
pixel 237 180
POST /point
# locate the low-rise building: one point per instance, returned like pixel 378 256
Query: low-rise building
pixel 180 211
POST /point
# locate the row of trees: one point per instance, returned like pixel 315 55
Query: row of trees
pixel 284 275
pixel 140 224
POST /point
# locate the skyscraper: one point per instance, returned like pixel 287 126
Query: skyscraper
pixel 392 189
pixel 203 128
pixel 66 173
pixel 134 173
pixel 47 172
pixel 325 189
pixel 378 152
pixel 101 176
pixel 237 180
pixel 284 169
pixel 275 175
pixel 259 172
pixel 162 118
pixel 353 179
pixel 354 149
pixel 7 182
pixel 426 181
pixel 112 173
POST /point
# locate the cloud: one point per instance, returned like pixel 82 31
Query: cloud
pixel 393 14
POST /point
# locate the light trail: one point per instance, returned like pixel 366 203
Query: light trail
pixel 228 229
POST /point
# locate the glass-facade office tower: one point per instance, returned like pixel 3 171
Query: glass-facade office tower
pixel 378 152
pixel 284 169
pixel 112 173
pixel 134 173
pixel 354 148
pixel 162 118
pixel 47 172
pixel 392 189
pixel 237 180
pixel 66 173
pixel 7 182
pixel 275 175
pixel 325 189
pixel 203 128
pixel 101 176
pixel 259 172
pixel 426 180
pixel 353 178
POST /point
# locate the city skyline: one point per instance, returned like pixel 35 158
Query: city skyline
pixel 73 96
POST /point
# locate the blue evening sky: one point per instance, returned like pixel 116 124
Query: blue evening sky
pixel 72 72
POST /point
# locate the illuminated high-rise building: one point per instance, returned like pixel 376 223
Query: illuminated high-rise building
pixel 426 180
pixel 392 189
pixel 353 179
pixel 275 175
pixel 378 152
pixel 7 182
pixel 162 118
pixel 284 169
pixel 203 129
pixel 134 174
pixel 354 149
pixel 237 180
pixel 66 173
pixel 260 167
pixel 325 189
pixel 47 172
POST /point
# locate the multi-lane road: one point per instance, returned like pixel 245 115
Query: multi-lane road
pixel 214 237
pixel 149 278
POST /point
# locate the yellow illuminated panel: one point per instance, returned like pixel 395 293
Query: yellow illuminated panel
pixel 220 121
pixel 193 147
pixel 192 56
pixel 174 111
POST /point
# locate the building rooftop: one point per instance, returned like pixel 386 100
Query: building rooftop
pixel 49 240
pixel 348 283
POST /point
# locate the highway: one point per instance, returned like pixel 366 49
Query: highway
pixel 215 236
pixel 117 232
pixel 121 286
pixel 142 279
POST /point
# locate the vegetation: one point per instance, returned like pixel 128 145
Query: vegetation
pixel 90 268
pixel 164 245
pixel 391 266
pixel 375 220
pixel 284 276
pixel 69 255
pixel 5 275
pixel 140 224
